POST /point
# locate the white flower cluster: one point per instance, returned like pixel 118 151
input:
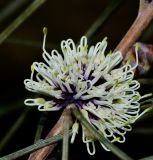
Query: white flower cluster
pixel 105 93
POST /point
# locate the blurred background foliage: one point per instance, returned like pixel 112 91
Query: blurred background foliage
pixel 64 19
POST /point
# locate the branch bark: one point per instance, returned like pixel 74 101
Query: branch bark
pixel 142 21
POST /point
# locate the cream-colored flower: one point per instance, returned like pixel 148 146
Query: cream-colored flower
pixel 105 93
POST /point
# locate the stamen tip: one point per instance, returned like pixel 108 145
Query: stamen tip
pixel 45 30
pixel 137 46
pixel 148 109
pixel 150 94
pixel 128 61
pixel 105 39
pixel 32 68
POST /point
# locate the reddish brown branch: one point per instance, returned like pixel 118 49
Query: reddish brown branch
pixel 142 21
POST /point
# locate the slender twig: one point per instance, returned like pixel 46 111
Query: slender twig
pixel 110 8
pixel 40 126
pixel 44 152
pixel 38 145
pixel 13 129
pixel 65 146
pixel 142 21
pixel 11 8
pixel 98 136
pixel 20 19
pixel 147 158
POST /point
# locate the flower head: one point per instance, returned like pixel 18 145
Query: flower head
pixel 105 93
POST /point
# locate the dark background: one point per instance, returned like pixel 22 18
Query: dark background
pixel 64 19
